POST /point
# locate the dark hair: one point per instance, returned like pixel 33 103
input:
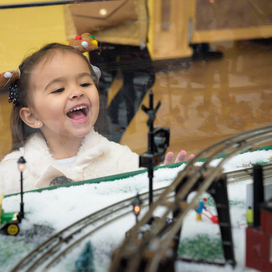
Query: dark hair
pixel 19 130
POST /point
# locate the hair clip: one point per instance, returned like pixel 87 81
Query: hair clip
pixel 84 43
pixel 13 93
pixel 97 72
pixel 8 78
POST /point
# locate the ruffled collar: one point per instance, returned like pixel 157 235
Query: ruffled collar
pixel 36 152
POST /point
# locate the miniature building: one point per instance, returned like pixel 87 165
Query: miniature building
pixel 267 192
pixel 259 241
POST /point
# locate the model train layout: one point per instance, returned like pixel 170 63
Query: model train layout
pixel 151 245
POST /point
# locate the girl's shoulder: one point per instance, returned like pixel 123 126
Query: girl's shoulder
pixel 116 147
pixel 8 171
pixel 123 154
pixel 12 156
pixel 32 148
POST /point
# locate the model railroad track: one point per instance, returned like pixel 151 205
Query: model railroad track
pixel 39 255
pixel 66 239
pixel 245 174
pixel 154 249
pixel 49 252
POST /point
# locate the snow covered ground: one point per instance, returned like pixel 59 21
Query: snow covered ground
pixel 63 206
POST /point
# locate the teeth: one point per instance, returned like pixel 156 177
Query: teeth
pixel 78 108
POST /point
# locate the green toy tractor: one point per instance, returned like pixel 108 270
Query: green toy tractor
pixel 9 222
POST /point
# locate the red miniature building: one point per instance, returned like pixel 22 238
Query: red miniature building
pixel 259 241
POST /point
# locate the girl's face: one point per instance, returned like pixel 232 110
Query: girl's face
pixel 64 97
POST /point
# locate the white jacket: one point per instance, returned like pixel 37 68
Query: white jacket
pixel 97 157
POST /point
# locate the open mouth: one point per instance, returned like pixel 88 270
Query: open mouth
pixel 78 113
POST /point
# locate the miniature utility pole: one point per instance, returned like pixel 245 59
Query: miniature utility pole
pixel 158 141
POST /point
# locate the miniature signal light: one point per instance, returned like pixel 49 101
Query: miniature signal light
pixel 137 210
pixel 137 206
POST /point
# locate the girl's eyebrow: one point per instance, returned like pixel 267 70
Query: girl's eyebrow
pixel 61 79
pixel 84 74
pixel 58 79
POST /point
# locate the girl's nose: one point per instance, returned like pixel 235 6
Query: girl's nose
pixel 76 93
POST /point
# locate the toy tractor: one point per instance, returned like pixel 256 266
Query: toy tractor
pixel 9 222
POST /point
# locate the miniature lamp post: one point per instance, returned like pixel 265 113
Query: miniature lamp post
pixel 137 203
pixel 21 165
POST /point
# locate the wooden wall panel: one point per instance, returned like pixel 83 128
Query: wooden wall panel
pixel 231 14
pixel 228 20
pixel 169 28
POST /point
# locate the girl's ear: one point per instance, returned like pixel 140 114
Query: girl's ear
pixel 29 118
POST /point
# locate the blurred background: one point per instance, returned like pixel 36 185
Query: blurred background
pixel 207 61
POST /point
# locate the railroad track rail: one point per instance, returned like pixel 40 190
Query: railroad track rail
pixel 147 253
pixel 49 253
pixel 53 249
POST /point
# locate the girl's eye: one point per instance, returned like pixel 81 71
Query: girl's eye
pixel 59 90
pixel 85 84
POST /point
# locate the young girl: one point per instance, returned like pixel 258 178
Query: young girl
pixel 56 104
